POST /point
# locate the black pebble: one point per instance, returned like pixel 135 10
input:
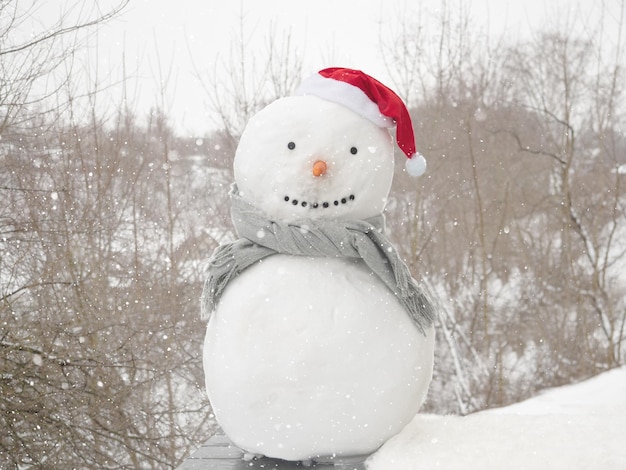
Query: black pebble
pixel 343 200
pixel 287 198
pixel 336 203
pixel 303 204
pixel 315 205
pixel 352 197
pixel 295 202
pixel 325 204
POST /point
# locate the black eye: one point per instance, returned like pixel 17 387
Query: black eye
pixel 291 146
pixel 353 150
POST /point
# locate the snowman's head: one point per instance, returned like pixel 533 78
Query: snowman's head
pixel 304 157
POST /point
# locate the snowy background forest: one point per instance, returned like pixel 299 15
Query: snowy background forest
pixel 108 214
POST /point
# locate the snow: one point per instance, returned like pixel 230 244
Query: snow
pixel 289 364
pixel 579 426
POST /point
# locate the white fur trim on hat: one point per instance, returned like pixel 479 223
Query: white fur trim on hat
pixel 346 95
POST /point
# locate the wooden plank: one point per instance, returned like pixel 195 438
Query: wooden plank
pixel 219 453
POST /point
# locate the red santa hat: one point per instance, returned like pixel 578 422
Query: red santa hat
pixel 371 99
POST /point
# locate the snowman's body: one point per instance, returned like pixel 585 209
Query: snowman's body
pixel 312 358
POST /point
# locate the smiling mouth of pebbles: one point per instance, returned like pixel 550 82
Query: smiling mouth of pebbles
pixel 316 205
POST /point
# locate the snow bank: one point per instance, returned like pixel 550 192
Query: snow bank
pixel 579 426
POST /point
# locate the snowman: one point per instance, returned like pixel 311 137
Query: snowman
pixel 319 344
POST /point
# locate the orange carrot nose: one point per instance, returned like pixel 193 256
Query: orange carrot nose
pixel 319 168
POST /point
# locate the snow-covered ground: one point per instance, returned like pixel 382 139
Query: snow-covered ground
pixel 581 426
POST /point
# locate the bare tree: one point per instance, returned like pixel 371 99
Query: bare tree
pixel 574 92
pixel 27 61
pixel 249 79
pixel 99 336
pixel 100 339
pixel 516 223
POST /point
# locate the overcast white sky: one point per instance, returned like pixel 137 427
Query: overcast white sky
pixel 326 33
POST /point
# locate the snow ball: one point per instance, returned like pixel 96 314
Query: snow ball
pixel 37 359
pixel 372 149
pixel 100 384
pixel 54 195
pixel 199 142
pixel 260 234
pixel 304 229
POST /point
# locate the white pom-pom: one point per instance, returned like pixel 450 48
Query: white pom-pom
pixel 416 165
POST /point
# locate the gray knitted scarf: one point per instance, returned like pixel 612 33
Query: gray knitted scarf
pixel 262 237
